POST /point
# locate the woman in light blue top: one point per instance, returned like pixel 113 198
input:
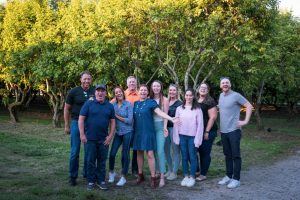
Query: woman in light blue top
pixel 124 119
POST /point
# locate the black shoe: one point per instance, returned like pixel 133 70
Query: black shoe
pixel 72 182
pixel 102 186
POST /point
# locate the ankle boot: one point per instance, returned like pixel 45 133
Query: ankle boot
pixel 140 178
pixel 153 182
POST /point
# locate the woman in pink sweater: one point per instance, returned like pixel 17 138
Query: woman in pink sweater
pixel 188 134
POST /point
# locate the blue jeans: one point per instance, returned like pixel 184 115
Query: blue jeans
pixel 75 150
pixel 189 153
pixel 232 152
pixel 160 159
pixel 205 150
pixel 118 140
pixel 173 158
pixel 96 159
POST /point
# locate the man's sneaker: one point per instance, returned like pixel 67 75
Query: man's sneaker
pixel 233 184
pixel 172 177
pixel 184 181
pixel 224 180
pixel 72 182
pixel 122 181
pixel 191 182
pixel 111 177
pixel 102 186
pixel 90 186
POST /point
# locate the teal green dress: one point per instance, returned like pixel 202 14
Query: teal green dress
pixel 144 132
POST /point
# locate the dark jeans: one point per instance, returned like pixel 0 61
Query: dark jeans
pixel 232 152
pixel 118 140
pixel 75 150
pixel 134 165
pixel 204 152
pixel 96 158
pixel 188 153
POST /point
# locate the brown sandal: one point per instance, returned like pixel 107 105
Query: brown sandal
pixel 140 178
pixel 153 182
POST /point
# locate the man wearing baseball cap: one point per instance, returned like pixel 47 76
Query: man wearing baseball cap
pixel 96 116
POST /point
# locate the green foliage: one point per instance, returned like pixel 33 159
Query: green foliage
pixel 46 44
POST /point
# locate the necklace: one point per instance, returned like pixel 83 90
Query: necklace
pixel 139 107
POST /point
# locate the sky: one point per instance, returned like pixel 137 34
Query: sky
pixel 293 5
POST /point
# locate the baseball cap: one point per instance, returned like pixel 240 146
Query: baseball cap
pixel 100 86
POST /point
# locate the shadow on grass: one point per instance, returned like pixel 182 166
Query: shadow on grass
pixel 34 162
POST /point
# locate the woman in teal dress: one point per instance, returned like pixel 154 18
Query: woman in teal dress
pixel 144 136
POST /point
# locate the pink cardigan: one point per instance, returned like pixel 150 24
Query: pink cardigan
pixel 191 124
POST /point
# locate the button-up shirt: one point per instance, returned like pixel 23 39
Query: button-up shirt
pixel 125 111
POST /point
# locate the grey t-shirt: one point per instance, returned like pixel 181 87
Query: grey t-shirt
pixel 229 108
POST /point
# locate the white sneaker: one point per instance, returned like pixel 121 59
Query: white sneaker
pixel 191 182
pixel 184 181
pixel 172 177
pixel 224 180
pixel 122 181
pixel 233 184
pixel 111 177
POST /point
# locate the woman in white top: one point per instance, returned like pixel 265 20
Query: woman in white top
pixel 160 124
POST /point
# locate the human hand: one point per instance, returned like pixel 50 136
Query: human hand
pixel 107 140
pixel 83 138
pixel 206 136
pixel 176 120
pixel 166 132
pixel 241 123
pixel 67 130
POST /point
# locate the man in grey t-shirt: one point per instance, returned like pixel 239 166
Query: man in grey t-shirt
pixel 230 103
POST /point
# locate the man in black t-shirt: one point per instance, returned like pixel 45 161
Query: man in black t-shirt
pixel 75 100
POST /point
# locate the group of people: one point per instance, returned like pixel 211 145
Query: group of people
pixel 166 129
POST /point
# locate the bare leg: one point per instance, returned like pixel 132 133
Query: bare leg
pixel 151 162
pixel 140 161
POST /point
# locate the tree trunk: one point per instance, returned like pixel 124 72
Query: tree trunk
pixel 292 110
pixel 56 123
pixel 19 100
pixel 13 113
pixel 259 123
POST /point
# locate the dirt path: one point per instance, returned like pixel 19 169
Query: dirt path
pixel 278 181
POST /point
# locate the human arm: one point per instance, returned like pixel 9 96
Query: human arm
pixel 67 109
pixel 176 128
pixel 129 118
pixel 248 107
pixel 212 116
pixel 112 128
pixel 166 110
pixel 199 128
pixel 159 112
pixel 81 128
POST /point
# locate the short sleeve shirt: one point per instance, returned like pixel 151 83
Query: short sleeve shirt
pixel 229 108
pixel 172 111
pixel 76 98
pixel 205 106
pixel 98 116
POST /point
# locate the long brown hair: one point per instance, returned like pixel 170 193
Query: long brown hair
pixel 161 95
pixel 118 87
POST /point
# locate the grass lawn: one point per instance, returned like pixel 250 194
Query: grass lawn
pixel 34 160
